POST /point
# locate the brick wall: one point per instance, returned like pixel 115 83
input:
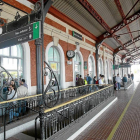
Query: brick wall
pixel 47 40
pixel 68 68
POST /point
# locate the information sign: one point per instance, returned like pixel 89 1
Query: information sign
pixel 21 35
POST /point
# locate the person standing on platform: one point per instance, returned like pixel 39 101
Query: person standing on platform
pixel 85 81
pixel 94 80
pixel 132 76
pixel 89 81
pixel 118 81
pixel 114 81
pixel 80 81
pixel 77 76
pixel 128 75
pixel 124 81
pixel 101 82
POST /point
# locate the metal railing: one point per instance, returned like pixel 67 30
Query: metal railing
pixel 15 109
pixel 60 116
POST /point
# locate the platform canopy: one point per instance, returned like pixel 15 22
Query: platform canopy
pixel 114 21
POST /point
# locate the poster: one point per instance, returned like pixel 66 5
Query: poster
pixel 54 66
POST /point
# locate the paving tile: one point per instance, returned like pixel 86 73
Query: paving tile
pixel 102 127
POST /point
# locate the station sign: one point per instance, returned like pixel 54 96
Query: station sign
pixel 115 67
pixel 76 35
pixel 85 65
pixel 125 65
pixel 21 35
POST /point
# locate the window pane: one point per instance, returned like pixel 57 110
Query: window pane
pixel 56 55
pixel 13 74
pixel 76 68
pixel 20 66
pixel 9 64
pixel 50 54
pixel 19 51
pixel 20 74
pixel 5 51
pixel 78 58
pixel 14 51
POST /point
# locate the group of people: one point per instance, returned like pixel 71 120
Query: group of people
pixel 14 93
pixel 80 81
pixel 88 80
pixel 117 81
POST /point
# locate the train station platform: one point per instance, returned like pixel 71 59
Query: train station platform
pixel 119 122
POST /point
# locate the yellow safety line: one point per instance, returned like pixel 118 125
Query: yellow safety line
pixel 64 104
pixel 27 97
pixel 121 117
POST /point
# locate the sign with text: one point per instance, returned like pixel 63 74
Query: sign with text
pixel 85 65
pixel 125 65
pixel 21 35
pixel 115 67
pixel 76 35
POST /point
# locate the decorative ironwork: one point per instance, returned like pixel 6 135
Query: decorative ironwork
pixel 17 17
pixel 51 99
pixel 5 78
pixel 94 13
pixel 121 25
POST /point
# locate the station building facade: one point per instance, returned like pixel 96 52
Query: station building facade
pixel 20 60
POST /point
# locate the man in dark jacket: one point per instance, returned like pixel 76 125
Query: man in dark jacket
pixel 80 81
pixel 124 81
pixel 114 81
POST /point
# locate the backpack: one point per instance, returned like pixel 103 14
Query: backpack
pixel 97 82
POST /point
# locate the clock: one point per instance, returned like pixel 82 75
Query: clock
pixel 70 54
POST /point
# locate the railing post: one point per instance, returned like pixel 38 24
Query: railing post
pixel 42 129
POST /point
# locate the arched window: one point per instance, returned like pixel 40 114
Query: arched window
pixel 11 59
pixel 100 67
pixel 77 64
pixel 91 70
pixel 54 62
pixel 111 71
pixel 107 76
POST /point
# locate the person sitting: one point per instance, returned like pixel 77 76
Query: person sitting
pixel 11 95
pixel 12 82
pixel 22 91
pixel 124 81
pixel 24 84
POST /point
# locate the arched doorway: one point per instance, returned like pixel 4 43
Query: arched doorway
pixel 107 70
pixel 100 67
pixel 91 66
pixel 77 65
pixel 55 63
pixel 56 52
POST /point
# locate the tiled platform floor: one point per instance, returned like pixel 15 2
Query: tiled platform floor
pixel 129 128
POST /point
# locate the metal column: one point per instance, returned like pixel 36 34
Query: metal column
pixel 114 61
pixel 38 44
pixel 97 62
